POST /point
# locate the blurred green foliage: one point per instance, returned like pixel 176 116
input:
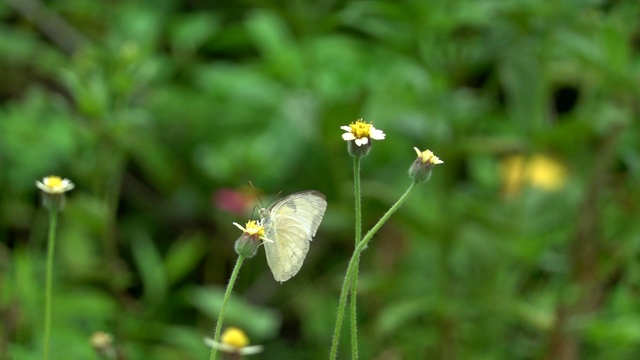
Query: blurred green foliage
pixel 152 107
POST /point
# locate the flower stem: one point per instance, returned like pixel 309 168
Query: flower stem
pixel 355 258
pixel 354 281
pixel 53 222
pixel 227 294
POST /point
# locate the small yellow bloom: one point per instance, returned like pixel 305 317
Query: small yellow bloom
pixel 361 132
pixel 539 171
pixel 234 341
pixel 55 185
pixel 428 157
pixel 253 229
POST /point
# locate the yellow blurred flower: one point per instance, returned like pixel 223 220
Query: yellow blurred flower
pixel 538 171
pixel 234 341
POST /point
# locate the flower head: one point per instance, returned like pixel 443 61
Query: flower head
pixel 254 230
pixel 54 185
pixel 247 245
pixel 358 136
pixel 423 165
pixel 53 189
pixel 360 132
pixel 234 341
pixel 427 157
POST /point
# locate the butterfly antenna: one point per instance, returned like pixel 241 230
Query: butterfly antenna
pixel 253 212
pixel 255 191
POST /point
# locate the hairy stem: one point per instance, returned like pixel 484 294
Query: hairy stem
pixel 354 282
pixel 53 222
pixel 227 294
pixel 355 258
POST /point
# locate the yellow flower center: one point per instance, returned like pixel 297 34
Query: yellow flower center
pixel 360 129
pixel 254 229
pixel 53 182
pixel 234 337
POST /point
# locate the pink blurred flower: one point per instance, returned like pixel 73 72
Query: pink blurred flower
pixel 233 201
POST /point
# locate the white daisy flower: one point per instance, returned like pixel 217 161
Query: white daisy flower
pixel 55 185
pixel 361 132
pixel 234 341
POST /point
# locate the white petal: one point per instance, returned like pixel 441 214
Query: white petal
pixel 220 346
pixel 42 186
pixel 67 185
pixel 346 128
pixel 348 136
pixel 250 350
pixel 239 227
pixel 362 141
pixel 377 134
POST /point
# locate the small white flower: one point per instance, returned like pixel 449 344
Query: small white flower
pixel 234 341
pixel 55 185
pixel 361 132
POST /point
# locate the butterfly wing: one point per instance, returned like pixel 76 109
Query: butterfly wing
pixel 291 224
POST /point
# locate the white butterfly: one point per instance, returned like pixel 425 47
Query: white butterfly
pixel 291 224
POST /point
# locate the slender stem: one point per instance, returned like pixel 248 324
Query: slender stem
pixel 53 221
pixel 356 190
pixel 352 266
pixel 227 294
pixel 354 282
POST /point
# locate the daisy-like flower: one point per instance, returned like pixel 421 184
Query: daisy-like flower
pixel 361 133
pixel 358 136
pixel 247 245
pixel 53 189
pixel 54 185
pixel 422 166
pixel 234 341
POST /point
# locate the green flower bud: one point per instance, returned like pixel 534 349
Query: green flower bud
pixel 421 168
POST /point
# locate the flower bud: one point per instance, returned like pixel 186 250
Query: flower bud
pixel 421 168
pixel 247 246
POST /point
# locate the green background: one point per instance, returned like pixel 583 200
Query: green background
pixel 152 107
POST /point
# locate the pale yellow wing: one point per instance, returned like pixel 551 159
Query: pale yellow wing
pixel 291 224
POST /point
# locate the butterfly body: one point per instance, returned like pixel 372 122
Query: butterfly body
pixel 291 224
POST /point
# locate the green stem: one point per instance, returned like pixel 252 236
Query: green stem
pixel 53 222
pixel 354 282
pixel 227 294
pixel 355 258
